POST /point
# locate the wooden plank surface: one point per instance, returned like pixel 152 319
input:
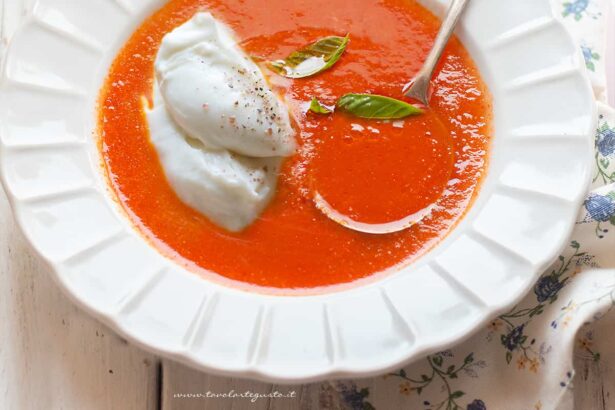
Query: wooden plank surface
pixel 53 356
pixel 179 380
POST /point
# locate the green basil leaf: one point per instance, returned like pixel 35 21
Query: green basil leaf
pixel 318 108
pixel 376 107
pixel 313 59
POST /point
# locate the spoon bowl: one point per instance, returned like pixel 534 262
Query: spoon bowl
pixel 419 89
pixel 374 229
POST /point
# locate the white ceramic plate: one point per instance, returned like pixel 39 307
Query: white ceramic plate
pixel 539 172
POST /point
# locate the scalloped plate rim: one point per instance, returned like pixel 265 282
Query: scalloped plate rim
pixel 185 356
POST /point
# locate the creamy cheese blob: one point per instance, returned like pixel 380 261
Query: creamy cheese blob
pixel 230 189
pixel 219 131
pixel 217 94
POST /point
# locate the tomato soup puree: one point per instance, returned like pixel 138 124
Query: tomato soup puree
pixel 374 171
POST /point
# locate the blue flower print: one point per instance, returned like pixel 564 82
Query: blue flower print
pixel 605 150
pixel 601 208
pixel 354 398
pixel 605 141
pixel 547 288
pixel 575 8
pixel 512 340
pixel 477 405
pixel 590 57
pixel 587 53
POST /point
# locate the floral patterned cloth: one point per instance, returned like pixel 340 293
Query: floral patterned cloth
pixel 524 358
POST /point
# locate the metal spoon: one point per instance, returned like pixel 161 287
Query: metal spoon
pixel 418 89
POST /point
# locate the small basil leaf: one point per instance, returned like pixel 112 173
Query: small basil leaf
pixel 376 107
pixel 312 59
pixel 318 108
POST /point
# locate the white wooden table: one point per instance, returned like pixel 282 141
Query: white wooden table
pixel 54 356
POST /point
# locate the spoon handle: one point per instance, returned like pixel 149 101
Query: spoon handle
pixel 419 87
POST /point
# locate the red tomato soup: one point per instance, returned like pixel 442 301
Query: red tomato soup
pixel 372 171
